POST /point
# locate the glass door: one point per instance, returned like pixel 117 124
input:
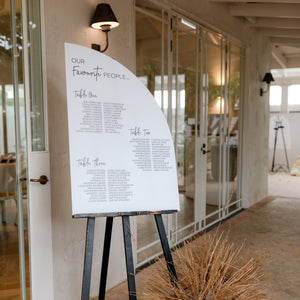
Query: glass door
pixel 212 146
pixel 231 131
pixel 152 29
pixel 185 78
pixel 14 249
pixel 24 241
pixel 194 75
pixel 221 99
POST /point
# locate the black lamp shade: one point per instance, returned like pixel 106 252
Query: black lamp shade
pixel 104 16
pixel 268 78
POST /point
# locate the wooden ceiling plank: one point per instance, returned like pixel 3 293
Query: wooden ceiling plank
pixel 275 32
pixel 277 23
pixel 293 42
pixel 265 10
pixel 256 1
pixel 251 20
pixel 279 57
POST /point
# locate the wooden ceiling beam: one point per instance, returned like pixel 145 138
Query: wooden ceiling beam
pixel 276 23
pixel 265 10
pixel 277 32
pixel 277 55
pixel 293 42
pixel 256 1
pixel 251 20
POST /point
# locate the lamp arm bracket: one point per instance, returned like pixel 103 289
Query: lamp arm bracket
pixel 262 91
pixel 97 47
pixel 106 38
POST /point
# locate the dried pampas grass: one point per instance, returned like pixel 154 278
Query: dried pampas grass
pixel 209 268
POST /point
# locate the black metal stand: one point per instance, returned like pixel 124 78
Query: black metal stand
pixel 88 258
pixel 277 127
pixel 105 257
pixel 166 249
pixel 129 258
pixel 86 282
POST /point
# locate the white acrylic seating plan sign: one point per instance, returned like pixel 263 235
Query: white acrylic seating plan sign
pixel 121 150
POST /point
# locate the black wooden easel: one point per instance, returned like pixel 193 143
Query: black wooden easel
pixel 279 126
pixel 86 281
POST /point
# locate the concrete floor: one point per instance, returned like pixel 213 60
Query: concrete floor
pixel 270 228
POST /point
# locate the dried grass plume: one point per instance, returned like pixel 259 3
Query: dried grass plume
pixel 209 268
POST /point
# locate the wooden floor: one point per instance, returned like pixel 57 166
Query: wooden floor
pixel 9 257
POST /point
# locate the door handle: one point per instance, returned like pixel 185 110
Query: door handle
pixel 42 180
pixel 203 149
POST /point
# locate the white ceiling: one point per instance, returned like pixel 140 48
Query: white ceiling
pixel 277 19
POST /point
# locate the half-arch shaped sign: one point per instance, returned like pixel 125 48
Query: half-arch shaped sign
pixel 121 151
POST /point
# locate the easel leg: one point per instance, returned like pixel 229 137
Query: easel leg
pixel 166 248
pixel 87 269
pixel 2 203
pixel 286 157
pixel 129 258
pixel 274 151
pixel 105 257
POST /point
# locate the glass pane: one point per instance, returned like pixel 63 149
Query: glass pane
pixel 184 125
pixel 186 25
pixel 13 195
pixel 10 117
pixel 36 90
pixel 146 234
pixel 235 49
pixel 294 97
pixel 214 38
pixel 215 104
pixel 151 69
pixel 2 117
pixel 275 97
pixel 232 130
pixel 151 64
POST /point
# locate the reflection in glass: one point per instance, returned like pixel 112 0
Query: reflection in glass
pixel 36 77
pixel 215 107
pixel 151 69
pixel 13 195
pixel 200 98
pixel 232 130
pixel 184 122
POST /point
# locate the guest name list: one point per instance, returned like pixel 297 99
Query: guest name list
pixel 121 151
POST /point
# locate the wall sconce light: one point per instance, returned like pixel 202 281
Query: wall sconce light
pixel 104 19
pixel 267 79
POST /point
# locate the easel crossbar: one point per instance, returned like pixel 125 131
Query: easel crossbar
pixel 129 213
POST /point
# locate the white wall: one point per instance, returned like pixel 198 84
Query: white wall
pixel 68 21
pixel 255 122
